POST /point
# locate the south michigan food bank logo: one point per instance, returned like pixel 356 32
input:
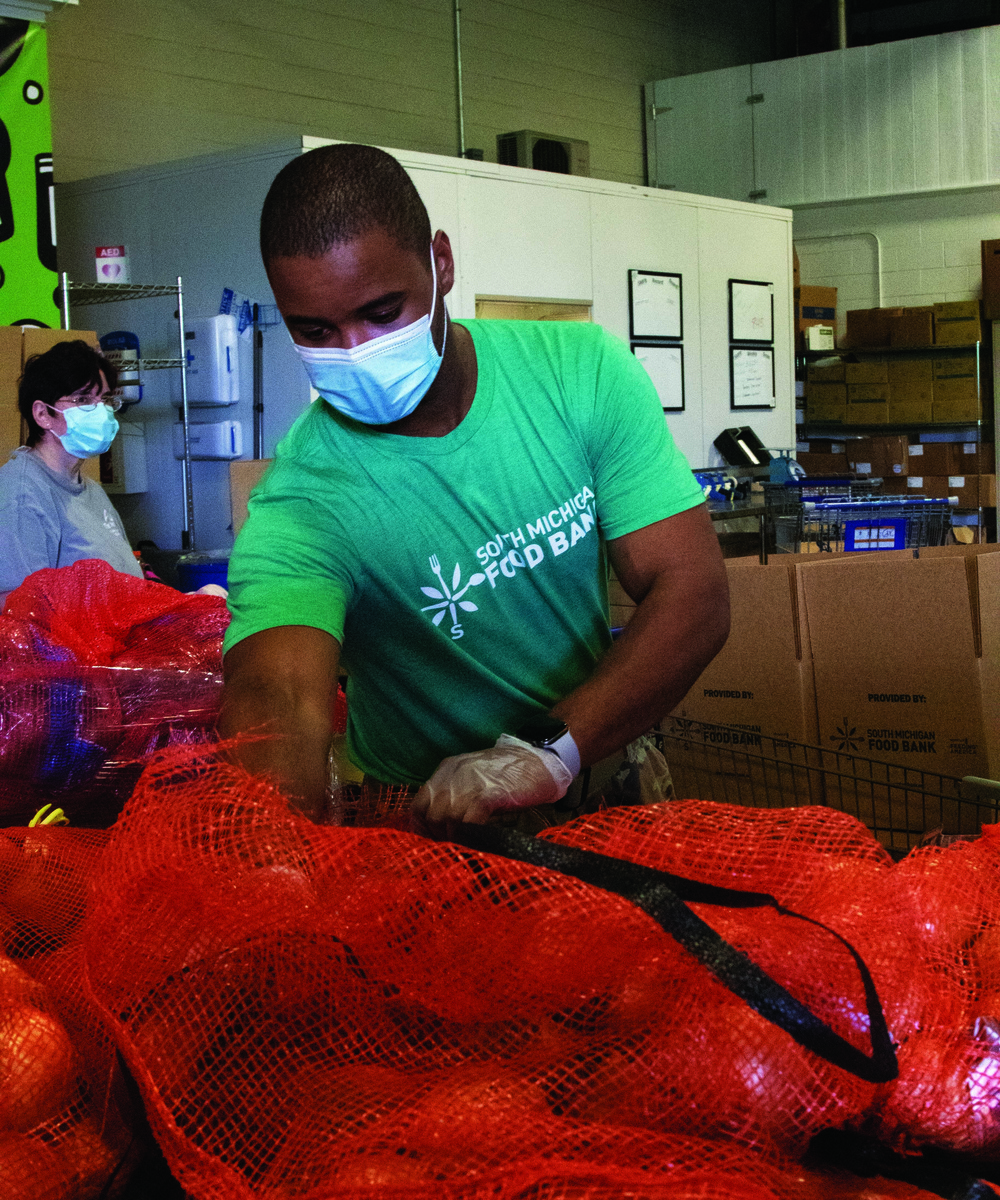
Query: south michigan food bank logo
pixel 847 737
pixel 449 599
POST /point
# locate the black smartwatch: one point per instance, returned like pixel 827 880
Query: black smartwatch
pixel 549 733
pixel 542 730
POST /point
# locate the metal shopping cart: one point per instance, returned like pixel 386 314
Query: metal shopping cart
pixel 900 805
pixel 875 523
pixel 783 505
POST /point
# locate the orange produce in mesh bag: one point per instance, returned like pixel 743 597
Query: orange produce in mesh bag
pixel 333 1011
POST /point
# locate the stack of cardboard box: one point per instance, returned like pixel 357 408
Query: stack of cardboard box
pixel 948 323
pixel 879 655
pixel 940 470
pixel 895 390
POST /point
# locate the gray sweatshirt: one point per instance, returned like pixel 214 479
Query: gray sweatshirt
pixel 47 520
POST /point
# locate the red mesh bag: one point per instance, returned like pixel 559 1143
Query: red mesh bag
pixel 106 618
pixel 97 670
pixel 65 1118
pixel 328 1012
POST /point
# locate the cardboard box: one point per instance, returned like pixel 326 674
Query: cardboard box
pixel 940 487
pixel 910 403
pixel 971 491
pixel 823 464
pixel 826 402
pixel 760 683
pixel 991 279
pixel 956 389
pixel 833 373
pixel 955 378
pixel 910 370
pixel 872 413
pixel 869 326
pixel 10 369
pixel 866 372
pixel 952 412
pixel 879 456
pixel 971 458
pixel 37 341
pixel 954 366
pixel 956 323
pixel 867 404
pixel 815 306
pixel 912 327
pixel 930 458
pixel 906 658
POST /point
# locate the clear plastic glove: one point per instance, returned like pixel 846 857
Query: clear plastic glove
pixel 211 589
pixel 472 787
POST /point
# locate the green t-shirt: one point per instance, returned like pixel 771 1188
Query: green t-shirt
pixel 464 576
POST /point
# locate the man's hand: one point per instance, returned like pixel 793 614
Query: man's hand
pixel 512 774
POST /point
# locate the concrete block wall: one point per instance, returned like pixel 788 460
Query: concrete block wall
pixel 136 84
pixel 928 246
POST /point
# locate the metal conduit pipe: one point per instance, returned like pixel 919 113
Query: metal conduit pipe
pixel 865 233
pixel 458 79
pixel 841 24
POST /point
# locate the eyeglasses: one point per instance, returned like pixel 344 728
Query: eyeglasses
pixel 88 403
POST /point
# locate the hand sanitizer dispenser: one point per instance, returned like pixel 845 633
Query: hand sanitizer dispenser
pixel 213 368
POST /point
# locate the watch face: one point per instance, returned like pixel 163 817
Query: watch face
pixel 542 730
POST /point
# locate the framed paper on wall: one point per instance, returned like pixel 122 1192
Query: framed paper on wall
pixel 751 377
pixel 751 311
pixel 654 305
pixel 665 366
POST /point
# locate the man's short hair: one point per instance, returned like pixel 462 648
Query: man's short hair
pixel 67 368
pixel 333 195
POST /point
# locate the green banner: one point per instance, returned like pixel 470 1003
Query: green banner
pixel 28 276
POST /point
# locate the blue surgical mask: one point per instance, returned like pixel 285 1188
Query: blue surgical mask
pixel 90 429
pixel 384 379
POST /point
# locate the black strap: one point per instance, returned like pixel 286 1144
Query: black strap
pixel 663 897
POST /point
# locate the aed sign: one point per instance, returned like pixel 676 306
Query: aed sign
pixel 111 263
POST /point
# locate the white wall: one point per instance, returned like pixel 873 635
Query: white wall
pixel 929 247
pixel 516 233
pixel 883 120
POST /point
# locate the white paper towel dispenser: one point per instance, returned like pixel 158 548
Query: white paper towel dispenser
pixel 219 439
pixel 211 346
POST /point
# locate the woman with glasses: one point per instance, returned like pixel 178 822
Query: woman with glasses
pixel 50 514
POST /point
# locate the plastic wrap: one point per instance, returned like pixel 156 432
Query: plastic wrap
pixel 98 670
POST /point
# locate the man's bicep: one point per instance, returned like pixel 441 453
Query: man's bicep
pixel 682 549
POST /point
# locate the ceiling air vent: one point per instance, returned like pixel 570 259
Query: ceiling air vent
pixel 543 152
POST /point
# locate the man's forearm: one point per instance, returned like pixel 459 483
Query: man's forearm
pixel 645 675
pixel 674 570
pixel 278 693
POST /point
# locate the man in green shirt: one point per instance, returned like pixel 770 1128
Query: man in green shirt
pixel 445 514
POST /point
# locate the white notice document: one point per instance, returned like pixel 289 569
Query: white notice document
pixel 751 313
pixel 656 304
pixel 665 366
pixel 752 378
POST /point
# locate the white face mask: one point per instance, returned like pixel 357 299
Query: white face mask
pixel 90 429
pixel 384 379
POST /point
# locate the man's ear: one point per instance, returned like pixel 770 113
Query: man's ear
pixel 444 261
